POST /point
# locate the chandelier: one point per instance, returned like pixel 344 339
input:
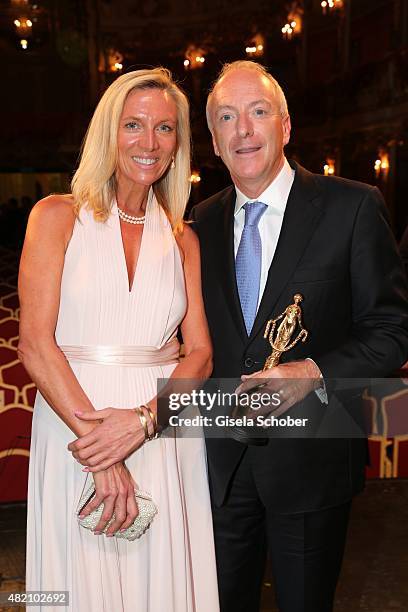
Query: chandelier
pixel 331 5
pixel 293 26
pixel 23 21
pixel 194 58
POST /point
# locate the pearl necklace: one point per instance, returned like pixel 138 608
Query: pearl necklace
pixel 130 218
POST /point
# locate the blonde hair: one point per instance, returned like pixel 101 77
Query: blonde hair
pixel 94 182
pixel 254 67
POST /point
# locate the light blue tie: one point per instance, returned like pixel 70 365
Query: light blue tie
pixel 248 262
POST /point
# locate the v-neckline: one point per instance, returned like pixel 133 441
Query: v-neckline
pixel 129 284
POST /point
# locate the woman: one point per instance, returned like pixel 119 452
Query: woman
pixel 113 266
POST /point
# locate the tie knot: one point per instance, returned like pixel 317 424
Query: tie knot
pixel 253 212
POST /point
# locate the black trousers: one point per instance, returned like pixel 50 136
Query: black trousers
pixel 306 550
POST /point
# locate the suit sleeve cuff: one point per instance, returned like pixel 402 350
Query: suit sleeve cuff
pixel 321 392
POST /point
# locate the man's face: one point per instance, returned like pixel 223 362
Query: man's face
pixel 249 132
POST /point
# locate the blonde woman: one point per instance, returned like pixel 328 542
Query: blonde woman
pixel 107 276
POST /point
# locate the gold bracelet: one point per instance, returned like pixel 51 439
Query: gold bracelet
pixel 153 417
pixel 154 435
pixel 143 422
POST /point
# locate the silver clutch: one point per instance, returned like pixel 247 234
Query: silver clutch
pixel 147 512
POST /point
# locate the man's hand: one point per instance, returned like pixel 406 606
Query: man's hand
pixel 293 381
pixel 119 434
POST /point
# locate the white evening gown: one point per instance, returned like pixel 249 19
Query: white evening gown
pixel 171 568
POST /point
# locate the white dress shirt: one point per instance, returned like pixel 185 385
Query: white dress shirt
pixel 275 197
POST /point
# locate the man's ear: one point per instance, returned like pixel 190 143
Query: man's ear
pixel 216 149
pixel 286 129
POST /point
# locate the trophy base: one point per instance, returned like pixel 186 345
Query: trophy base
pixel 241 434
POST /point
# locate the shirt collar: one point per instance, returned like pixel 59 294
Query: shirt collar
pixel 275 195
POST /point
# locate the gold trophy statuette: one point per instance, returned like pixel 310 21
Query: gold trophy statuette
pixel 281 342
pixel 292 317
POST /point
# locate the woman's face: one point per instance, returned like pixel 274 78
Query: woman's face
pixel 147 136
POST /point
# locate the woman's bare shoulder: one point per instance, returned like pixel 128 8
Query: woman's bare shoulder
pixel 56 208
pixel 188 242
pixel 55 205
pixel 54 215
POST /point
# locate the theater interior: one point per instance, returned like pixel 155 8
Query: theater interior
pixel 343 65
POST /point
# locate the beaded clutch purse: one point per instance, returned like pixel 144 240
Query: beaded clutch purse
pixel 147 512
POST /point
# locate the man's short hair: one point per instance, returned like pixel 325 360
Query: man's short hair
pixel 254 67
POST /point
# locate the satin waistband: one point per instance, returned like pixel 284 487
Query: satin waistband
pixel 142 356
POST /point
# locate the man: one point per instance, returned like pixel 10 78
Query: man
pixel 278 231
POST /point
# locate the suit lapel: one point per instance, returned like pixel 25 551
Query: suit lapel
pixel 299 222
pixel 226 260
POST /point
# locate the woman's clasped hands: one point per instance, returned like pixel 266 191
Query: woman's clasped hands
pixel 115 489
pixel 119 433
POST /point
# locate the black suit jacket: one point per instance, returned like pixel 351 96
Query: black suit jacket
pixel 336 249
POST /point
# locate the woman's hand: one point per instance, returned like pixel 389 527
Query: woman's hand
pixel 111 441
pixel 115 488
